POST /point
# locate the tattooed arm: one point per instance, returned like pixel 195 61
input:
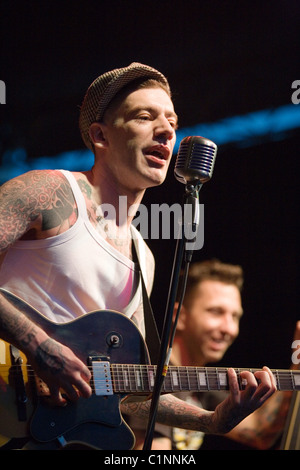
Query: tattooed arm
pixel 239 404
pixel 36 205
pixel 53 362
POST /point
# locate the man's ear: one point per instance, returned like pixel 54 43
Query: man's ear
pixel 97 134
pixel 182 317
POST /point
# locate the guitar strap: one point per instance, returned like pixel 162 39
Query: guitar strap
pixel 152 335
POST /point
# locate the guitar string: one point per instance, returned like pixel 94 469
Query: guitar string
pixel 180 371
pixel 151 367
pixel 186 372
pixel 135 377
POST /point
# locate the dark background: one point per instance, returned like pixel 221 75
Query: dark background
pixel 222 58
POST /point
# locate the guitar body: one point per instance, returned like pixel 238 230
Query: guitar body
pixel 96 421
pixel 109 343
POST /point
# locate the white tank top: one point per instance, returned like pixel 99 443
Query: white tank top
pixel 68 275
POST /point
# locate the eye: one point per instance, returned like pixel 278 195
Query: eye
pixel 215 311
pixel 173 124
pixel 237 316
pixel 144 117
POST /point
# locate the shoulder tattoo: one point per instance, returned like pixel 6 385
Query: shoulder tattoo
pixel 44 194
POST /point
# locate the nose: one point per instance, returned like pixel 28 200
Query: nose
pixel 164 129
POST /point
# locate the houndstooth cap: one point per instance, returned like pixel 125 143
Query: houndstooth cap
pixel 104 88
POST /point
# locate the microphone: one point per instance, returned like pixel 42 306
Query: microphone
pixel 194 166
pixel 195 160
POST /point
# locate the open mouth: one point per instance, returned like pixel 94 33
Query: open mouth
pixel 158 154
pixel 219 344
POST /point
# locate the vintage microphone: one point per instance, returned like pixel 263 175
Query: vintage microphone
pixel 195 160
pixel 194 166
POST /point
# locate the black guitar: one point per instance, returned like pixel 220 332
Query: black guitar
pixel 115 351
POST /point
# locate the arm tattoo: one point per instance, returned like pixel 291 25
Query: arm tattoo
pixel 172 412
pixel 19 330
pixel 15 327
pixel 85 188
pixel 60 209
pixel 35 194
pixel 15 215
pixel 48 356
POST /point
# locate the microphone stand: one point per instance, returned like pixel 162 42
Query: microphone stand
pixel 191 197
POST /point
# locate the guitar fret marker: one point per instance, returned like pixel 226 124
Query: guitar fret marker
pixel 174 378
pixel 126 381
pixel 202 379
pixel 138 379
pixel 296 380
pixel 151 378
pixel 223 379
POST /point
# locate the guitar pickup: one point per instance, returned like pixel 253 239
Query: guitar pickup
pixel 101 377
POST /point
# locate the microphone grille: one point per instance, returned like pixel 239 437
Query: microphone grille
pixel 195 159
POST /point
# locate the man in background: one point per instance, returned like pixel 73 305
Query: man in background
pixel 208 324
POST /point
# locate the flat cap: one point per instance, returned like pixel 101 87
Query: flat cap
pixel 104 89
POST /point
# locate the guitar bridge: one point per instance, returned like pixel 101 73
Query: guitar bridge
pixel 101 376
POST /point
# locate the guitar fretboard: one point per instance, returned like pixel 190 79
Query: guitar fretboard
pixel 134 378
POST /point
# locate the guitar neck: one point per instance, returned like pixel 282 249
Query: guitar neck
pixel 139 379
